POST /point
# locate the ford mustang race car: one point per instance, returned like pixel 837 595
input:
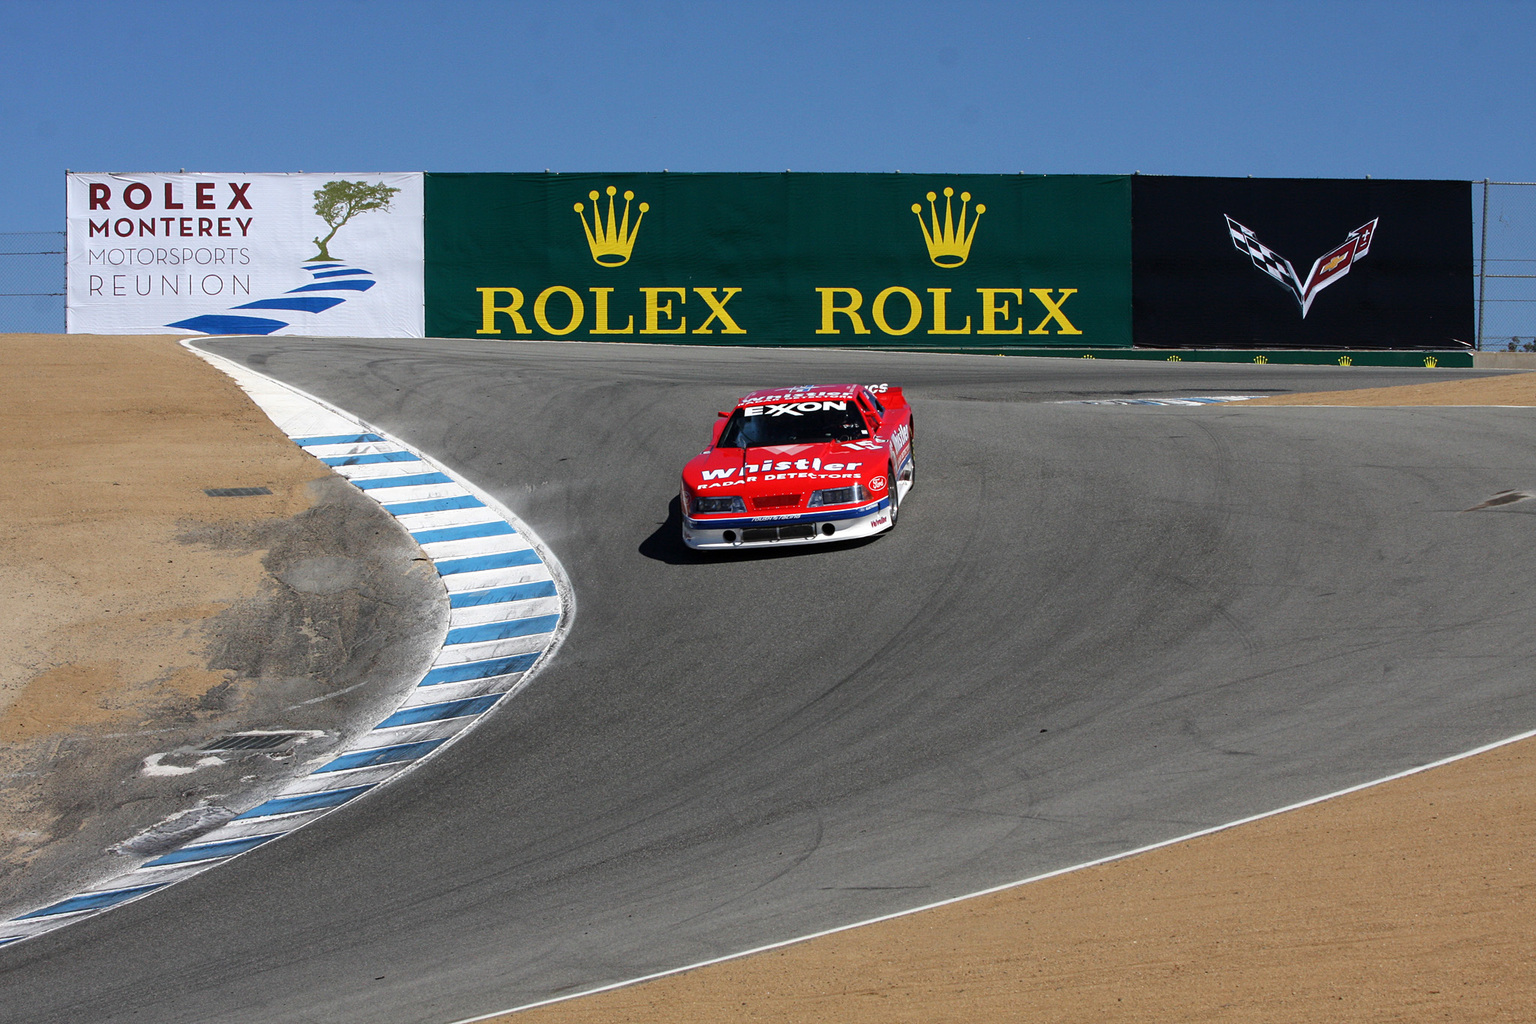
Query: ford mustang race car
pixel 801 465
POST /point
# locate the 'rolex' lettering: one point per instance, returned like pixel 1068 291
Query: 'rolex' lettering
pixel 717 311
pixel 1053 310
pixel 655 309
pixel 991 310
pixel 601 306
pixel 541 309
pixel 489 309
pixel 1001 311
pixel 940 319
pixel 561 311
pixel 830 309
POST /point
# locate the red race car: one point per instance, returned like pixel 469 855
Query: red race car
pixel 802 465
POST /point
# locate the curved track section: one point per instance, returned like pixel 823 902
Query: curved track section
pixel 1097 627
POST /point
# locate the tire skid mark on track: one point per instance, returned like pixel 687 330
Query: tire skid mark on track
pixel 509 608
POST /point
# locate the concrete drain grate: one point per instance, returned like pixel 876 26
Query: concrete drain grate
pixel 251 741
pixel 234 492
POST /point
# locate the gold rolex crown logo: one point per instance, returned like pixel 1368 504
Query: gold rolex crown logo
pixel 611 243
pixel 948 245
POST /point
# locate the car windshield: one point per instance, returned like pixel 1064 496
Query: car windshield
pixel 776 425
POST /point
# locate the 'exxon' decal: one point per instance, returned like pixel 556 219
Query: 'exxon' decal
pixel 793 408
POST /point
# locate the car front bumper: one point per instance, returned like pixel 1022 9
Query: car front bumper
pixel 729 533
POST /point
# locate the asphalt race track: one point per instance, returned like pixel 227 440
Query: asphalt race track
pixel 1096 627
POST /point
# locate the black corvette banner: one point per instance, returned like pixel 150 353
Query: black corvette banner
pixel 1301 263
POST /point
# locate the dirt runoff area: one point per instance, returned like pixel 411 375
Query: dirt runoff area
pixel 1512 389
pixel 1411 901
pixel 145 617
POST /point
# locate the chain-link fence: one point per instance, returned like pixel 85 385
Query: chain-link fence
pixel 1506 266
pixel 32 282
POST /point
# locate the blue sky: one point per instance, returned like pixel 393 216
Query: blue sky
pixel 1312 89
pixel 1269 89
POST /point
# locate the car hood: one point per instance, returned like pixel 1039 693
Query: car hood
pixel 786 467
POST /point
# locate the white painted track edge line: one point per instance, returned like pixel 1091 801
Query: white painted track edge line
pixel 1004 887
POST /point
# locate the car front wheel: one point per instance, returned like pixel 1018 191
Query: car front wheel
pixel 892 490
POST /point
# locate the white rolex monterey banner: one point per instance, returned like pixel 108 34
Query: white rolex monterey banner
pixel 336 255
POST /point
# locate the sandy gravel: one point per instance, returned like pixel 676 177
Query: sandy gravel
pixel 144 617
pixel 106 445
pixel 1514 389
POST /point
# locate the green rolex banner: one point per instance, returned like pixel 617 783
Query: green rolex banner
pixel 958 261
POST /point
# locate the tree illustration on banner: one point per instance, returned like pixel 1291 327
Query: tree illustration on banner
pixel 339 201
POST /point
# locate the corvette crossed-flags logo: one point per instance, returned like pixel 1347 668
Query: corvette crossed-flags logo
pixel 1328 268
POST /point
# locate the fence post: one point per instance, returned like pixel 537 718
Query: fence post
pixel 1482 269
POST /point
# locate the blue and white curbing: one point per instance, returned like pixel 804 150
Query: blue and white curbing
pixel 510 607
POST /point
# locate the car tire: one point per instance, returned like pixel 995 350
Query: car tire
pixel 912 455
pixel 891 489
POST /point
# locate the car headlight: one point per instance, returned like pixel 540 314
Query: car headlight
pixel 838 496
pixel 718 504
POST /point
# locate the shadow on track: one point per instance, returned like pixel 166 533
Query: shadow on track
pixel 665 544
